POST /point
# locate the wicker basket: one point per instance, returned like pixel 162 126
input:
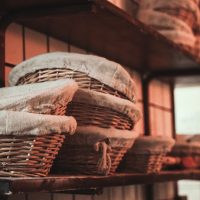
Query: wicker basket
pixel 106 102
pixel 90 72
pixel 184 10
pixel 93 150
pixel 29 142
pixel 83 80
pixel 169 26
pixel 103 120
pixel 146 155
pixel 185 155
pixel 43 98
pixel 103 110
pixel 181 14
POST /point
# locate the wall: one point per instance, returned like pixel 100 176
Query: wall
pixel 23 43
pixel 160 109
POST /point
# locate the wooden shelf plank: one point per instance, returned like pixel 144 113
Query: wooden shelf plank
pixel 64 183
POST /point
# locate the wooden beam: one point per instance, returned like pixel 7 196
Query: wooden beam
pixel 65 183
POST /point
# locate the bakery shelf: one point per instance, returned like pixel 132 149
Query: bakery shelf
pixel 102 28
pixel 64 183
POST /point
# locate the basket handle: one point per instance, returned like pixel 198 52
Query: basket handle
pixel 104 163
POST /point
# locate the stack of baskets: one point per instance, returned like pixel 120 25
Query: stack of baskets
pixel 175 19
pixel 104 107
pixel 146 155
pixel 30 136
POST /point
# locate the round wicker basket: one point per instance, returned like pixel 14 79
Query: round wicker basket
pixel 103 120
pixel 169 26
pixel 103 110
pixel 184 10
pixel 147 154
pixel 29 142
pixel 96 151
pixel 90 72
pixel 184 155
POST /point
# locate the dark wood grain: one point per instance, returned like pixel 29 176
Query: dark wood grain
pixel 104 29
pixel 63 183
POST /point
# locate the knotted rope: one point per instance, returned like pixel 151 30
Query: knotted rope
pixel 104 162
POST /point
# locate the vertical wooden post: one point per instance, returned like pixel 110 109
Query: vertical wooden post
pixel 145 93
pixel 4 22
pixel 2 56
pixel 173 110
pixel 149 191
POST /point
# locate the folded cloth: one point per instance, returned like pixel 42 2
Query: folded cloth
pixel 45 98
pixel 22 123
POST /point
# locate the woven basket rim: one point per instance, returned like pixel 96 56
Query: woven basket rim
pixel 117 104
pixel 180 4
pixel 116 76
pixel 152 144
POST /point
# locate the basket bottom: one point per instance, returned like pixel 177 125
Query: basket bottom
pixel 28 155
pixel 142 163
pixel 83 159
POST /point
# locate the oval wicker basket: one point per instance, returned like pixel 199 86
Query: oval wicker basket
pixel 101 118
pixel 146 155
pixel 90 72
pixel 183 155
pixel 83 80
pixel 30 142
pixel 96 151
pixel 181 14
pixel 28 155
pixel 169 26
pixel 184 10
pixel 105 100
pixel 103 110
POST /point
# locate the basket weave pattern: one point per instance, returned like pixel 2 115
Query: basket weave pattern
pixel 86 159
pixel 28 155
pixel 83 80
pixel 83 158
pixel 86 114
pixel 144 163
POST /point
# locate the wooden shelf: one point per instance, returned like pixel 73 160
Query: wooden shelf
pixel 64 183
pixel 104 29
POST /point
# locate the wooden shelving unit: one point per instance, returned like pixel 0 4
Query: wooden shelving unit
pixel 128 41
pixel 102 28
pixel 10 186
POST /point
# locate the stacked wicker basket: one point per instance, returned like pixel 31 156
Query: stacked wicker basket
pixel 104 107
pixel 175 19
pixel 184 154
pixel 146 155
pixel 30 136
